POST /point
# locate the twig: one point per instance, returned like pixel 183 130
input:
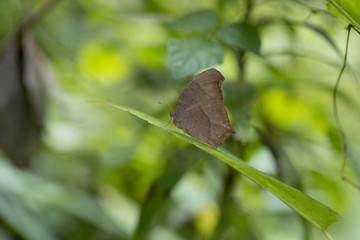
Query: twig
pixel 337 118
pixel 275 151
pixel 240 54
pixel 37 14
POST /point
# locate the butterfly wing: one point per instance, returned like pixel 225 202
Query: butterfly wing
pixel 200 109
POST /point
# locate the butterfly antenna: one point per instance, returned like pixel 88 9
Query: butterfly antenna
pixel 168 104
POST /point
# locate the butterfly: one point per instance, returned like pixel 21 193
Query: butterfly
pixel 200 110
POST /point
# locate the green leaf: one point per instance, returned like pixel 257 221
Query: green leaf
pixel 188 56
pixel 312 210
pixel 242 36
pixel 199 21
pixel 24 221
pixel 31 189
pixel 349 9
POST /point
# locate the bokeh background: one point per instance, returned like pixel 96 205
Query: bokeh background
pixel 96 166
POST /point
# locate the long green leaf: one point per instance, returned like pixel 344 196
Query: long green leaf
pixel 312 210
pixel 348 9
pixel 29 188
pixel 26 222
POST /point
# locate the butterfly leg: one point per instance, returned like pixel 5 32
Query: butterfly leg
pixel 169 124
pixel 187 137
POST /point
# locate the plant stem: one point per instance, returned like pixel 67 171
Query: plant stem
pixel 37 14
pixel 240 54
pixel 327 235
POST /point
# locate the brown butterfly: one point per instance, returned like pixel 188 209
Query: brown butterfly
pixel 200 110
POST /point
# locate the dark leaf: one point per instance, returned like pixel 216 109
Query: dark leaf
pixel 188 56
pixel 199 21
pixel 241 36
pixel 23 72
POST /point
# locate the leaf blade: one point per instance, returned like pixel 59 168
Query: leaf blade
pixel 315 212
pixel 29 188
pixel 242 36
pixel 348 9
pixel 188 56
pixel 198 21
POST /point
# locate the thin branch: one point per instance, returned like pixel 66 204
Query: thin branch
pixel 240 54
pixel 37 14
pixel 337 118
pixel 249 7
pixel 275 151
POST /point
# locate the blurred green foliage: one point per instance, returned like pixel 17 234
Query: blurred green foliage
pixel 100 171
